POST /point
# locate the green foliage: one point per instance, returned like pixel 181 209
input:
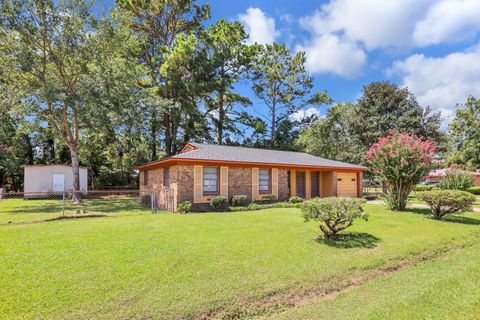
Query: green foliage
pixel 456 180
pixel 348 130
pixel 334 214
pixel 184 207
pixel 239 201
pixel 279 79
pixel 465 132
pixel 443 202
pixel 295 199
pixel 271 198
pixel 219 203
pixel 260 206
pixel 474 190
pixel 427 187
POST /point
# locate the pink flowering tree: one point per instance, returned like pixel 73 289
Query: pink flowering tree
pixel 400 160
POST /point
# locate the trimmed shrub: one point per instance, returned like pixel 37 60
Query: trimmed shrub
pixel 426 187
pixel 474 190
pixel 456 181
pixel 271 198
pixel 443 202
pixel 295 199
pixel 253 206
pixel 335 213
pixel 184 207
pixel 239 200
pixel 219 203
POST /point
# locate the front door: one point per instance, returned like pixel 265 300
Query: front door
pixel 58 182
pixel 301 184
pixel 315 184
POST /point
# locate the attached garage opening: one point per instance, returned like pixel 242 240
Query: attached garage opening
pixel 347 184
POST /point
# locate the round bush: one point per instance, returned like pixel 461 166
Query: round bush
pixel 184 207
pixel 239 200
pixel 442 202
pixel 335 213
pixel 219 203
pixel 295 199
pixel 474 190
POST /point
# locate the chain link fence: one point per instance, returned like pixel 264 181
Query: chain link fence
pixel 27 207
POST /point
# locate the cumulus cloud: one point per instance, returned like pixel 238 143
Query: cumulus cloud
pixel 375 23
pixel 448 21
pixel 330 53
pixel 259 26
pixel 441 82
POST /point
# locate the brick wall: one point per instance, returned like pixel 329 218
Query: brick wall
pixel 184 179
pixel 283 190
pixel 240 181
pixel 155 177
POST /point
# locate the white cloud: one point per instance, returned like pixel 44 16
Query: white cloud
pixel 443 82
pixel 375 23
pixel 449 21
pixel 259 26
pixel 304 113
pixel 330 53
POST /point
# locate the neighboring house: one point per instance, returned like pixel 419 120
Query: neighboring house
pixel 202 171
pixel 437 175
pixel 51 179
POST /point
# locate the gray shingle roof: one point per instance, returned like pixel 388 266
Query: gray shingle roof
pixel 243 154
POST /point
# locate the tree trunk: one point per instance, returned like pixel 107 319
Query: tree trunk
pixel 76 195
pixel 153 136
pixel 274 123
pixel 220 120
pixel 168 136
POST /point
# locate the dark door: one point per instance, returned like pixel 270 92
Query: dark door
pixel 315 184
pixel 301 184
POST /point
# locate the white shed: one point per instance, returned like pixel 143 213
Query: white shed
pixel 52 178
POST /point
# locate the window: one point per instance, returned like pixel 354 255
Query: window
pixel 145 178
pixel 210 180
pixel 264 180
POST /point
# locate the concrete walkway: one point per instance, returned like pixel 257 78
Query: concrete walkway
pixel 414 205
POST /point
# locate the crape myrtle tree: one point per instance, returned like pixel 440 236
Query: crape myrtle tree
pixel 55 56
pixel 280 81
pixel 400 160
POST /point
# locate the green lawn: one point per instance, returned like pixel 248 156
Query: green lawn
pixel 444 288
pixel 138 265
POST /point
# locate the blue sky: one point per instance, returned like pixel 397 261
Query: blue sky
pixel 430 46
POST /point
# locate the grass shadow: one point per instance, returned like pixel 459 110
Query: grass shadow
pixel 351 240
pixel 452 218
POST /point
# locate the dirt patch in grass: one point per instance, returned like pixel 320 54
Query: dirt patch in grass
pixel 278 302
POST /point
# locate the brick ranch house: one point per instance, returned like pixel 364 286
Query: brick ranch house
pixel 202 171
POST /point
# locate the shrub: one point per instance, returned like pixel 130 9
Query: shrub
pixel 219 203
pixel 474 190
pixel 401 161
pixel 252 206
pixel 295 199
pixel 269 198
pixel 427 187
pixel 184 207
pixel 443 202
pixel 456 181
pixel 335 214
pixel 239 200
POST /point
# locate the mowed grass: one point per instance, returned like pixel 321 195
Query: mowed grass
pixel 172 266
pixel 444 288
pixel 24 211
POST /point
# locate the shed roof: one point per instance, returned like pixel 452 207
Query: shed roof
pixel 223 153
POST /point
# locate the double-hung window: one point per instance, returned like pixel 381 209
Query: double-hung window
pixel 210 180
pixel 264 181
